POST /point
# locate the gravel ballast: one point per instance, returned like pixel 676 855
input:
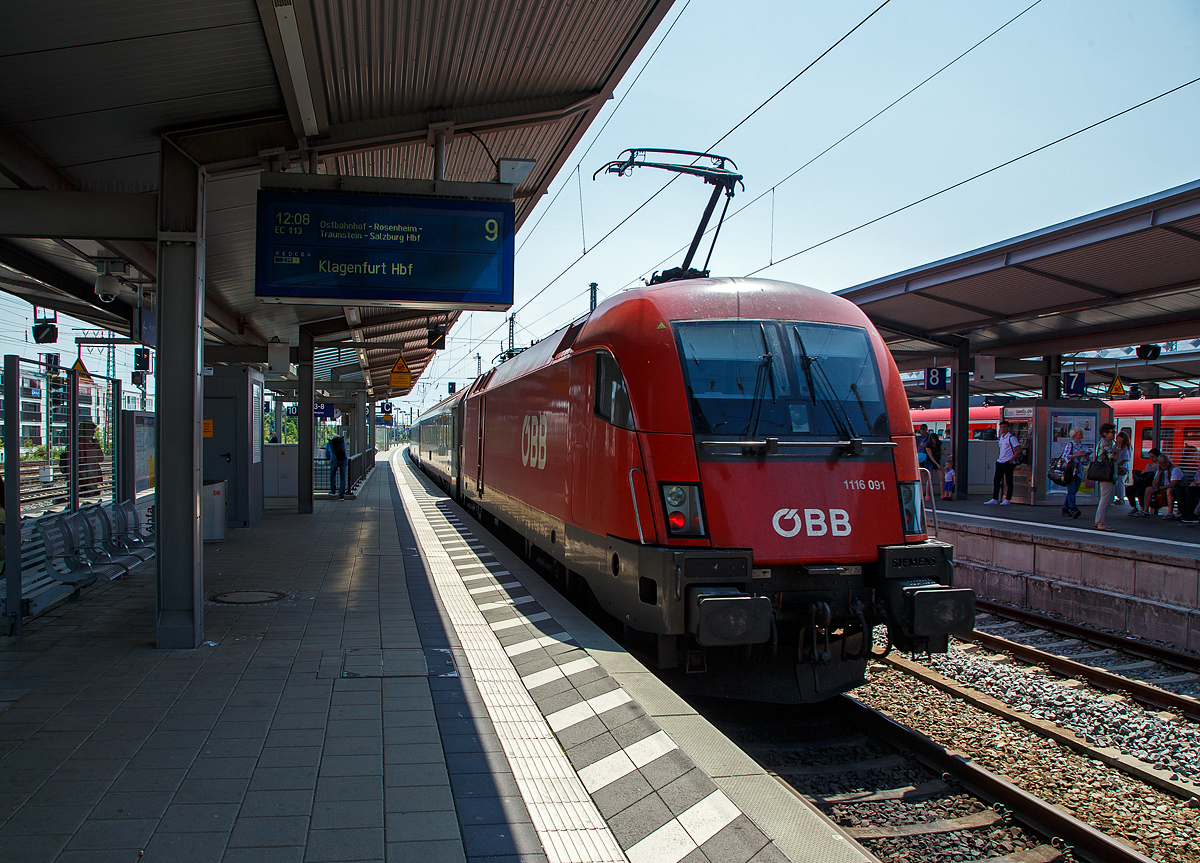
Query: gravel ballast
pixel 1159 825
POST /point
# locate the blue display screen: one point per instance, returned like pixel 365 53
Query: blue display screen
pixel 315 247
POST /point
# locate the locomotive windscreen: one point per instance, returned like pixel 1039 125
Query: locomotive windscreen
pixel 781 378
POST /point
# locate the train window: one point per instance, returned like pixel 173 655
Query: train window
pixel 612 398
pixel 1166 436
pixel 781 378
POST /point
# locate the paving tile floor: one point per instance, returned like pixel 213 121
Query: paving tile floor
pixel 305 730
pixel 377 711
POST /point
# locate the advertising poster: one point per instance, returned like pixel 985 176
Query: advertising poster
pixel 1061 423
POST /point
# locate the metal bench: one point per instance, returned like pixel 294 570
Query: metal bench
pixel 66 539
pixel 129 528
pixel 105 545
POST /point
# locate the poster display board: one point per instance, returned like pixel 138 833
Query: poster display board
pixel 321 247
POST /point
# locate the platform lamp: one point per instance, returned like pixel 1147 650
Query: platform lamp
pixel 45 329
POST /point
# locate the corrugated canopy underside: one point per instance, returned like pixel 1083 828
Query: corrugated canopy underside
pixel 1123 276
pixel 94 85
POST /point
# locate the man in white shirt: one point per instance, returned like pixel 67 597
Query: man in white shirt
pixel 1006 463
pixel 1163 490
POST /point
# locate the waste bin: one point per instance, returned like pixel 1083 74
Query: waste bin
pixel 212 510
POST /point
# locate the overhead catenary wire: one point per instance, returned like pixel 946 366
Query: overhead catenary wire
pixel 839 141
pixel 734 128
pixel 975 176
pixel 607 120
pixel 666 185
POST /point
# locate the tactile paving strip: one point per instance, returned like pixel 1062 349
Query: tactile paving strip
pixel 607 759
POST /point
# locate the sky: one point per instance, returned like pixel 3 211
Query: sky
pixel 1057 68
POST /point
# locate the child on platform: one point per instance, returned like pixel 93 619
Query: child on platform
pixel 948 482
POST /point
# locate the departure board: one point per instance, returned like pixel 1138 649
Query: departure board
pixel 316 247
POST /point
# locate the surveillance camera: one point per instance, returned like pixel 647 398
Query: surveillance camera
pixel 108 288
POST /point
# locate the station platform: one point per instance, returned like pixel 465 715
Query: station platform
pixel 1143 578
pixel 1133 534
pixel 383 680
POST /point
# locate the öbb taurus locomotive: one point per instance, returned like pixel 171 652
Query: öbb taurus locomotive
pixel 728 465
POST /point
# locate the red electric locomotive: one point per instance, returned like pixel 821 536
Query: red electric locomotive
pixel 728 465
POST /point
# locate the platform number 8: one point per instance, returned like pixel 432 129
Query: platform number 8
pixel 935 378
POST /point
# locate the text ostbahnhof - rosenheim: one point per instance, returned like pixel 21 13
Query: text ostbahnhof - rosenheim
pixel 356 230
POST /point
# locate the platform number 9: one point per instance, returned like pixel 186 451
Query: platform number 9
pixel 533 441
pixel 492 228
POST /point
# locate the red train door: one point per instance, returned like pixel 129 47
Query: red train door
pixel 579 421
pixel 479 449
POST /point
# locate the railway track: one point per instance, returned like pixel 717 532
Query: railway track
pixel 1156 676
pixel 902 795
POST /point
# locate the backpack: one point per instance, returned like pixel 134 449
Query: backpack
pixel 338 446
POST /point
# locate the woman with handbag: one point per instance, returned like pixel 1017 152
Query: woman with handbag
pixel 1102 471
pixel 1075 457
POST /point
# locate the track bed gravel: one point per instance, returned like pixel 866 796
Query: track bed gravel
pixel 1159 825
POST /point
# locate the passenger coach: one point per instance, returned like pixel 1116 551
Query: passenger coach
pixel 728 466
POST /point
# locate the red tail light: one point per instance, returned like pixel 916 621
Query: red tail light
pixel 677 520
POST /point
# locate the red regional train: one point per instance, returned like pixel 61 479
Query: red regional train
pixel 727 467
pixel 1179 428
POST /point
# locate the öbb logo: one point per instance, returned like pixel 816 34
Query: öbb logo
pixel 814 522
pixel 533 441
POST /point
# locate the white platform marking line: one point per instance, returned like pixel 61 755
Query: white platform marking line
pixel 710 816
pixel 1090 531
pixel 577 713
pixel 547 781
pixel 668 844
pixel 541 678
pixel 606 771
pixel 519 620
pixel 650 748
pixel 505 586
pixel 507 603
pixel 534 643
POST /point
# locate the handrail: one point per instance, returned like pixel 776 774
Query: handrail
pixel 932 499
pixel 637 515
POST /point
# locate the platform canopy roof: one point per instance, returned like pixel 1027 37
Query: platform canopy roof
pixel 1123 276
pixel 349 87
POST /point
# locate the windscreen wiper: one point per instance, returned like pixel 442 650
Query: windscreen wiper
pixel 854 444
pixel 764 376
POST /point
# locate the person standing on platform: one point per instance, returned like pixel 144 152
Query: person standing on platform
pixel 1106 451
pixel 933 460
pixel 1077 455
pixel 335 453
pixel 922 438
pixel 1006 463
pixel 948 481
pixel 1124 462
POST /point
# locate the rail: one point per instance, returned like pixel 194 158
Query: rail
pixel 357 468
pixel 1086 842
pixel 822 444
pixel 1165 655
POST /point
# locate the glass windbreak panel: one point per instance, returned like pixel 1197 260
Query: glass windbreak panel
pixel 779 378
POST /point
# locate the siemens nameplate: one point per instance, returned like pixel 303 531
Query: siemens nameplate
pixel 316 247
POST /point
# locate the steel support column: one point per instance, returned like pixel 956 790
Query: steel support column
pixel 12 491
pixel 360 422
pixel 179 406
pixel 1052 380
pixel 304 424
pixel 960 427
pixel 371 424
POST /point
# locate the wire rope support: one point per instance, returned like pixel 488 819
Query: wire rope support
pixel 926 475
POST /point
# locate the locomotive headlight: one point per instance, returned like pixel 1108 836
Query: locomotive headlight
pixel 912 508
pixel 681 506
